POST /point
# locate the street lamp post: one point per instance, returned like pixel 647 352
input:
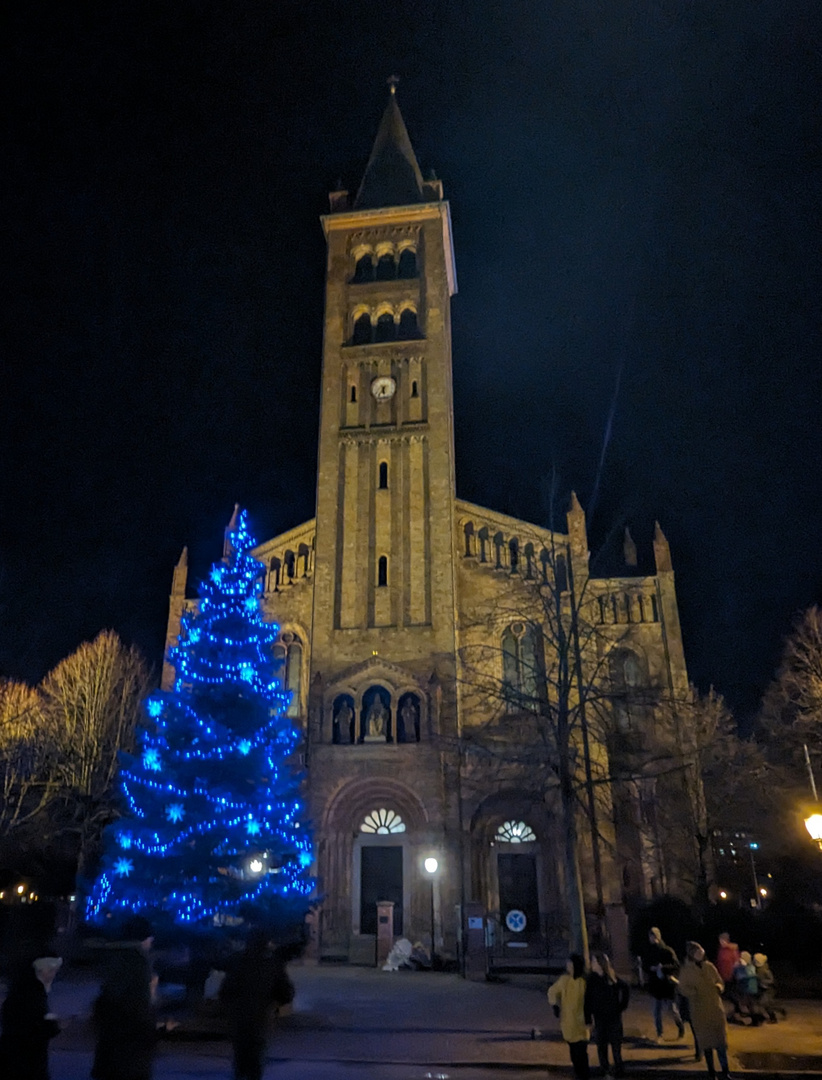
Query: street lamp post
pixel 431 866
pixel 752 847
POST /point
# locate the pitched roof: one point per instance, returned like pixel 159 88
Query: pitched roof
pixel 392 176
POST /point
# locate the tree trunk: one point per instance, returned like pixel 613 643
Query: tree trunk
pixel 578 938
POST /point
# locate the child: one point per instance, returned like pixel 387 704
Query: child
pixel 746 985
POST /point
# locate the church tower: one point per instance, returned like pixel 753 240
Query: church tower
pixel 383 626
pixel 384 579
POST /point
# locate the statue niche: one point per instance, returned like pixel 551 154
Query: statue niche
pixel 408 719
pixel 376 716
pixel 342 727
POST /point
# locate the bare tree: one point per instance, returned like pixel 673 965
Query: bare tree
pixel 533 672
pixel 716 781
pixel 92 702
pixel 791 715
pixel 562 704
pixel 28 785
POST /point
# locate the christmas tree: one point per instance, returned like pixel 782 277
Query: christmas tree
pixel 214 823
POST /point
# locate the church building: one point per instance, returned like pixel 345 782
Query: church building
pixel 431 644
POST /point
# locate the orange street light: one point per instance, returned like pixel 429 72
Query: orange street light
pixel 814 826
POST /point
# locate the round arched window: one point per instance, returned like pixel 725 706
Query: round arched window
pixel 515 832
pixel 382 821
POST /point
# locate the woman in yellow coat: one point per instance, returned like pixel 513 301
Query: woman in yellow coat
pixel 701 984
pixel 567 996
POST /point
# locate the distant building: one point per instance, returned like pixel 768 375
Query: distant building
pixel 380 596
pixel 742 872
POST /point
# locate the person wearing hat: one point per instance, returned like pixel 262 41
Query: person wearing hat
pixel 766 994
pixel 28 1023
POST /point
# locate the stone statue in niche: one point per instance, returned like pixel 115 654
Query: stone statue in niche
pixel 342 723
pixel 409 721
pixel 375 721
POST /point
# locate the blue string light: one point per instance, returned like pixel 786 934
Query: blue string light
pixel 213 785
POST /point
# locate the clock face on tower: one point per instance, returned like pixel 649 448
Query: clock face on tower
pixel 383 388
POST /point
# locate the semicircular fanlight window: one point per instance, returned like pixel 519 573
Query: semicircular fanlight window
pixel 382 821
pixel 515 832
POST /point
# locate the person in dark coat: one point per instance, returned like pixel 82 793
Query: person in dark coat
pixel 124 1021
pixel 661 964
pixel 255 981
pixel 28 1024
pixel 606 999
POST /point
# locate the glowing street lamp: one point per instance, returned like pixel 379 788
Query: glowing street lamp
pixel 256 866
pixel 814 826
pixel 431 866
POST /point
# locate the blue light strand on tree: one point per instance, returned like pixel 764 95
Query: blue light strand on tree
pixel 214 787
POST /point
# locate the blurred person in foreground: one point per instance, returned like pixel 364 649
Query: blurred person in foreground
pixel 255 982
pixel 28 1023
pixel 123 1016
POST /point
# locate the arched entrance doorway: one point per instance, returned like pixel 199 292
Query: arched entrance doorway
pixel 372 831
pixel 516 872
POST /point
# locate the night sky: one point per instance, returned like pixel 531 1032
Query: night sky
pixel 635 191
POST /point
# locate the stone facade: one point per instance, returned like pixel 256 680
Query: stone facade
pixel 405 612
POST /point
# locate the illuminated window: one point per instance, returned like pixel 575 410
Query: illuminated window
pixel 382 821
pixel 515 832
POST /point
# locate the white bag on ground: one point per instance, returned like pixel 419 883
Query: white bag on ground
pixel 399 955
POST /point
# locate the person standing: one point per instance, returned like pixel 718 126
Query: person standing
pixel 567 998
pixel 123 1015
pixel 28 1024
pixel 249 990
pixel 746 985
pixel 662 965
pixel 606 999
pixel 700 983
pixel 727 957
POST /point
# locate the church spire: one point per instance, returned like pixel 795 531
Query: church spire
pixel 392 176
